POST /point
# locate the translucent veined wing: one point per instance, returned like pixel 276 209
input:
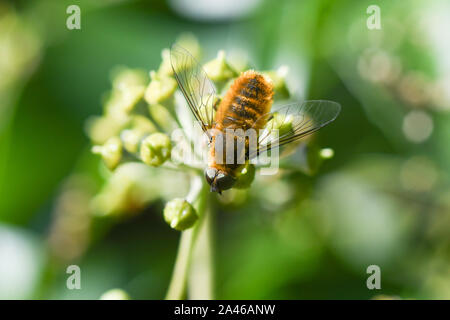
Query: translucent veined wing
pixel 292 122
pixel 197 88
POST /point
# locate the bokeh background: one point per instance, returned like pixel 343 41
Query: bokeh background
pixel 383 199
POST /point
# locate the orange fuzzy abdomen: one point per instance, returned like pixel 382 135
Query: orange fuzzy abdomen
pixel 249 97
pixel 247 100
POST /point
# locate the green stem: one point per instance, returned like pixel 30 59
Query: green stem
pixel 197 196
pixel 201 276
pixel 177 287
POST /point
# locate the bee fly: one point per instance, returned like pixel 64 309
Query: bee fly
pixel 245 106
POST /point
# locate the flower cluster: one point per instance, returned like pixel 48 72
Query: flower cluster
pixel 135 135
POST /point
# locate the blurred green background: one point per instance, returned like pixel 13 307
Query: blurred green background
pixel 384 198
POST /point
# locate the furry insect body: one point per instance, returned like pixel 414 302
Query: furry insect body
pixel 246 105
pixel 247 100
pixel 249 97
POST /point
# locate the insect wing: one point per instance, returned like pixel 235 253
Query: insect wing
pixel 294 121
pixel 197 88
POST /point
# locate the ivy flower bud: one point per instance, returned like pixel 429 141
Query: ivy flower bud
pixel 140 127
pixel 111 152
pixel 246 177
pixel 100 129
pixel 131 139
pixel 160 88
pixel 128 90
pixel 129 190
pixel 326 153
pixel 124 78
pixel 115 294
pixel 162 117
pixel 143 124
pixel 218 70
pixel 165 68
pixel 238 60
pixel 281 123
pixel 279 82
pixel 189 42
pixel 180 214
pixel 155 149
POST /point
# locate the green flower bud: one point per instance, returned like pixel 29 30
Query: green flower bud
pixel 162 117
pixel 111 152
pixel 142 123
pixel 218 69
pixel 189 42
pixel 115 200
pixel 129 190
pixel 326 153
pixel 115 294
pixel 160 88
pixel 246 177
pixel 165 68
pixel 128 89
pixel 131 139
pixel 234 198
pixel 186 41
pixel 180 214
pixel 279 82
pixel 100 129
pixel 281 123
pixel 156 149
pixel 140 127
pixel 124 78
pixel 238 60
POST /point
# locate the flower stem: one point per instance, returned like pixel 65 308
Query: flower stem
pixel 177 287
pixel 197 197
pixel 201 283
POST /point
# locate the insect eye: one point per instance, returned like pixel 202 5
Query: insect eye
pixel 210 174
pixel 224 182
